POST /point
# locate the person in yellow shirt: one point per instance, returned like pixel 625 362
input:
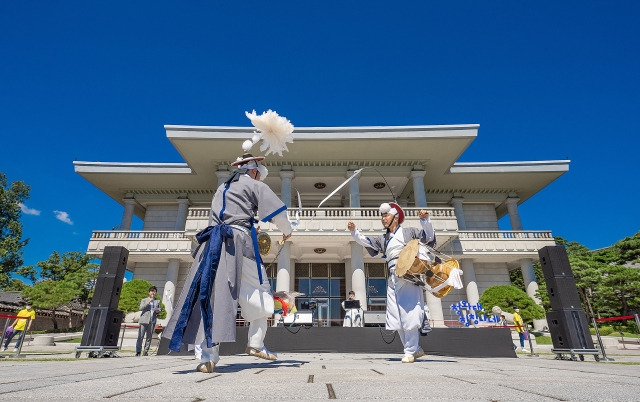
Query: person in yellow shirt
pixel 18 326
pixel 519 324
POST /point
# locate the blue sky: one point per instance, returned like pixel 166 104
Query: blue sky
pixel 97 81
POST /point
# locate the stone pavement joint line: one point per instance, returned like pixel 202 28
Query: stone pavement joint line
pixel 332 393
pixel 534 392
pixel 209 378
pixel 132 390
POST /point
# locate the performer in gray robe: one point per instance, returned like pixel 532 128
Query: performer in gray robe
pixel 228 250
pixel 405 301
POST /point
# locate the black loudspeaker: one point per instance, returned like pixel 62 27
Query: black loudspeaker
pixel 110 277
pixel 569 329
pixel 102 327
pixel 554 262
pixel 107 292
pixel 563 293
pixel 114 261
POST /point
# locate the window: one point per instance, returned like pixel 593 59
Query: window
pixel 376 286
pixel 324 288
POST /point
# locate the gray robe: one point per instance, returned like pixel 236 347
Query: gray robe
pixel 235 206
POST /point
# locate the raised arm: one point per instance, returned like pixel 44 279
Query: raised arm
pixel 426 224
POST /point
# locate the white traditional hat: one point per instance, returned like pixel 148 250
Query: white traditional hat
pixel 393 209
pixel 246 158
pixel 274 131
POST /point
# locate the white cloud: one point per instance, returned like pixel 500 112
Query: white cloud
pixel 29 211
pixel 63 216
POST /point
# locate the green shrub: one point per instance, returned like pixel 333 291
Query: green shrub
pixel 131 294
pixel 604 331
pixel 507 297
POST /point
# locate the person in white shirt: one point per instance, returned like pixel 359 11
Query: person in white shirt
pixel 405 301
pixel 353 316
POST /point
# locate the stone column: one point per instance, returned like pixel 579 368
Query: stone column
pixel 348 277
pixel 285 195
pixel 456 203
pixel 292 274
pixel 514 215
pixel 183 211
pixel 127 216
pixel 531 285
pixel 358 279
pixel 469 277
pixel 223 174
pixel 435 310
pixel 283 276
pixel 420 197
pixel 354 189
pixel 168 296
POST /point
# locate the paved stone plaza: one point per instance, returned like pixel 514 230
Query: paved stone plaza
pixel 53 374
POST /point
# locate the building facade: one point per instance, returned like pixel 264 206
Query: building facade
pixel 417 165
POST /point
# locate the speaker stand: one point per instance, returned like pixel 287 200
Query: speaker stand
pixel 97 351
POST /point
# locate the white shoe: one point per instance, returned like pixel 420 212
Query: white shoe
pixel 524 350
pixel 418 354
pixel 261 353
pixel 206 367
pixel 408 359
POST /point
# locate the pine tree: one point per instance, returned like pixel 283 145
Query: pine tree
pixel 11 242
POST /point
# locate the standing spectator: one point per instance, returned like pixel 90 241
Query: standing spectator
pixel 517 321
pixel 17 327
pixel 353 316
pixel 150 307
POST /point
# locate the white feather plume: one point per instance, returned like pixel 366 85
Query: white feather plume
pixel 274 131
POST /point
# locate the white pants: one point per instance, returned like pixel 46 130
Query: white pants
pixel 211 354
pixel 256 302
pixel 352 318
pixel 410 341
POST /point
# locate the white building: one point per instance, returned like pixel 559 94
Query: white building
pixel 417 163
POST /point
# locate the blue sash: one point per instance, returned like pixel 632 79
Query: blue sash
pixel 202 284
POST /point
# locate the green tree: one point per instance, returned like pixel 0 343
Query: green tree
pixel 50 295
pixel 587 273
pixel 623 252
pixel 508 297
pixel 60 280
pixel 621 289
pixel 11 243
pixel 516 280
pixel 607 285
pixel 132 293
pixel 15 285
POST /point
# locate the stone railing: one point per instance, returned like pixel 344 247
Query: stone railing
pixel 330 213
pixel 335 219
pixel 503 241
pixel 137 234
pixel 505 234
pixel 142 243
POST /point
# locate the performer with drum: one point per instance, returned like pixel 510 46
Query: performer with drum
pixel 405 300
